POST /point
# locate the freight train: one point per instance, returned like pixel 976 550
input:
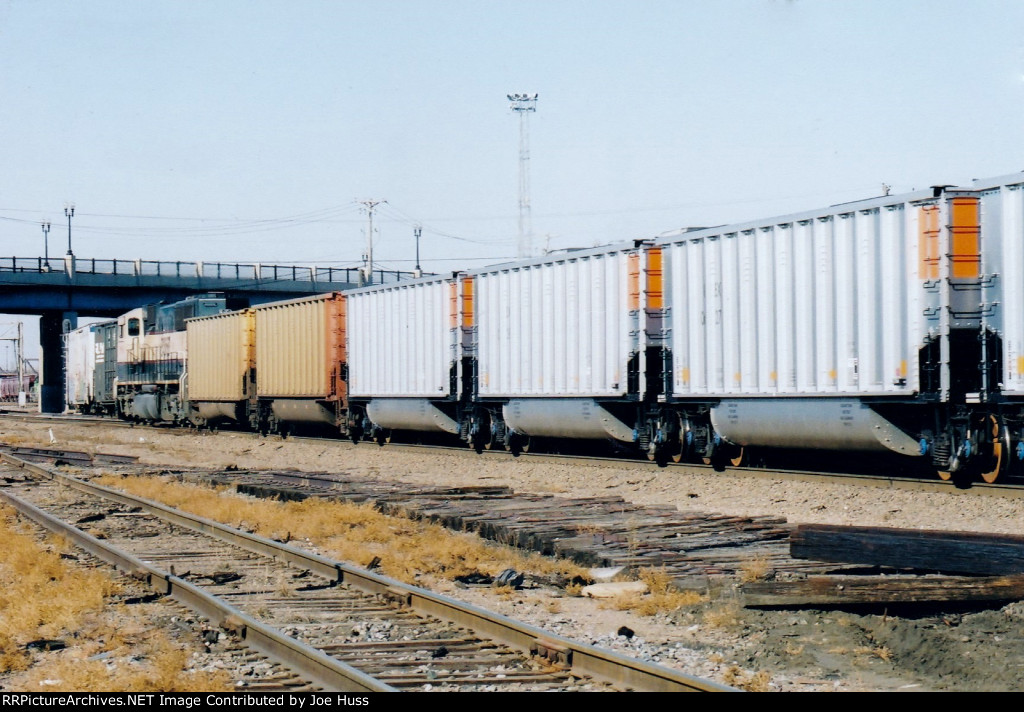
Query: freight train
pixel 893 325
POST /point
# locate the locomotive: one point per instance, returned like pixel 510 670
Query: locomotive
pixel 894 324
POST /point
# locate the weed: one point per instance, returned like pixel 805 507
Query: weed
pixel 358 533
pixel 44 596
pixel 661 595
pixel 725 614
pixel 751 682
pixel 793 649
pixel 755 569
pixel 881 652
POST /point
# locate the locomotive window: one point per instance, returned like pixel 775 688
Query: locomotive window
pixel 133 327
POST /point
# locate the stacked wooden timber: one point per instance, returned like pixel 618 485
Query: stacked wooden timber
pixel 932 567
pixel 692 547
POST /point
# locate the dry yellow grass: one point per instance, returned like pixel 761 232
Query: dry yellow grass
pixel 40 595
pixel 156 665
pixel 350 532
pixel 751 682
pixel 881 652
pixel 755 569
pixel 661 596
pixel 725 614
pixel 43 596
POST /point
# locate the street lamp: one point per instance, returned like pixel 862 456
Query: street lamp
pixel 46 242
pixel 69 210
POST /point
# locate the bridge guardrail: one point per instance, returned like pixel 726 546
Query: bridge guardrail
pixel 71 265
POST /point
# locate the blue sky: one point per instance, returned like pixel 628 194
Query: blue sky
pixel 245 131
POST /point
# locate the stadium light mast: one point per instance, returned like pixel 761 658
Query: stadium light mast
pixel 524 105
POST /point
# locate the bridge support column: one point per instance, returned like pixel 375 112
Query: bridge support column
pixel 52 325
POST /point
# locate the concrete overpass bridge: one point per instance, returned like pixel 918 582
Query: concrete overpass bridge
pixel 59 290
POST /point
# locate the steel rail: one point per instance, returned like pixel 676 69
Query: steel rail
pixel 303 659
pixel 576 657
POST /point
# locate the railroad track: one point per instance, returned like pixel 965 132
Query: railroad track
pixel 1012 488
pixel 333 626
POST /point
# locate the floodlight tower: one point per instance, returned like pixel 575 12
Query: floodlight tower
pixel 524 105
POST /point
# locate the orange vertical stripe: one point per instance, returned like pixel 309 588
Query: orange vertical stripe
pixel 655 279
pixel 467 302
pixel 965 231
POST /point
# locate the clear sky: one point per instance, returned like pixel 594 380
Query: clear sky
pixel 245 130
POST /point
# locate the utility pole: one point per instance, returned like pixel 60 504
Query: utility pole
pixel 370 204
pixel 417 231
pixel 524 105
pixel 22 398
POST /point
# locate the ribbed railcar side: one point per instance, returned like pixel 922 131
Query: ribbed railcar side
pixel 557 347
pixel 404 352
pixel 105 373
pixel 300 361
pixel 848 328
pixel 1001 278
pixel 79 368
pixel 1002 220
pixel 220 365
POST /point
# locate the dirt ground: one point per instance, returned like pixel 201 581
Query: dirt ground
pixel 761 650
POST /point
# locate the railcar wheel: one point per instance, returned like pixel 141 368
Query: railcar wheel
pixel 730 456
pixel 944 475
pixel 1000 456
pixel 517 444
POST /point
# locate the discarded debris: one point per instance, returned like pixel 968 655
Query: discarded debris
pixel 46 644
pixel 614 589
pixel 91 518
pixel 625 632
pixel 475 579
pixel 220 578
pixel 606 573
pixel 509 577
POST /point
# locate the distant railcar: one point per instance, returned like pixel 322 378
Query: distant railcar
pixel 9 389
pixel 90 358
